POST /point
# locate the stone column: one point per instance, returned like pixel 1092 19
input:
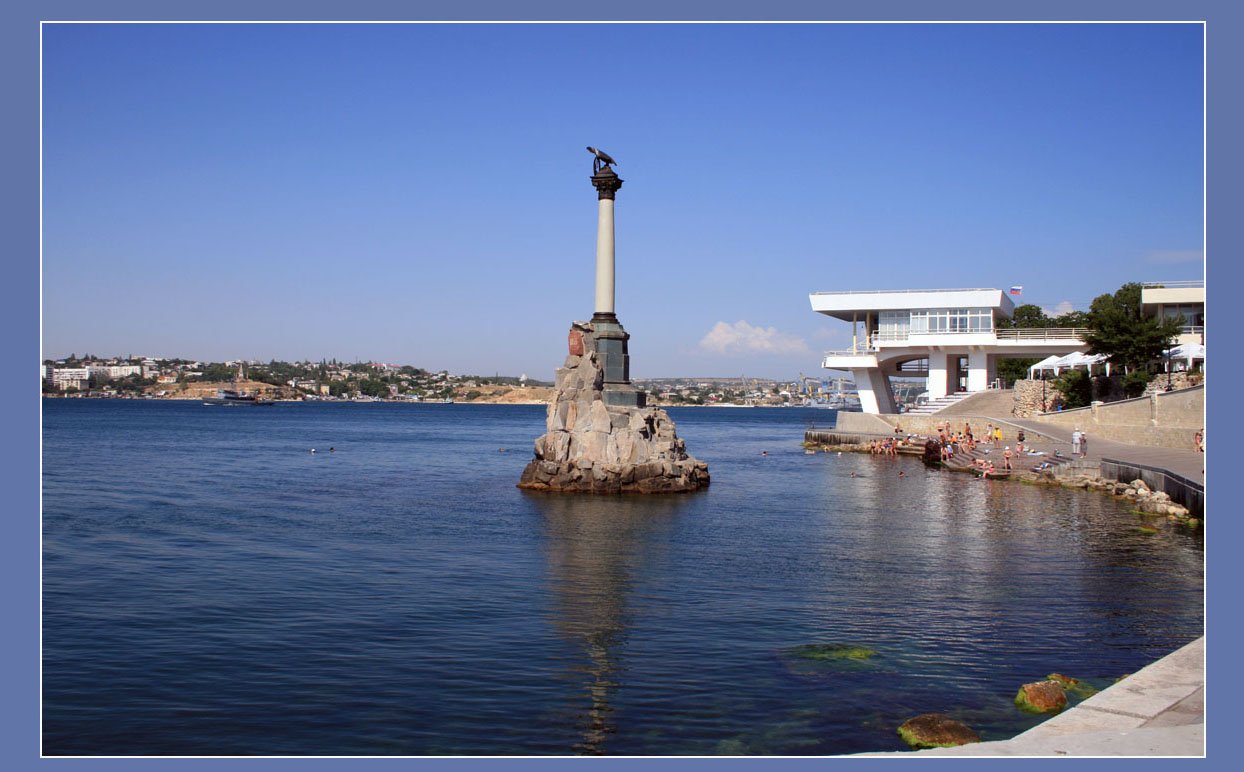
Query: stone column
pixel 611 338
pixel 606 182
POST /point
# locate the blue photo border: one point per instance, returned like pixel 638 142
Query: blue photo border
pixel 19 53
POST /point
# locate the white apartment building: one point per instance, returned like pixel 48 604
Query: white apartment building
pixel 67 377
pixel 115 371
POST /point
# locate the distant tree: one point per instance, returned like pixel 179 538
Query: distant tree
pixel 1071 319
pixel 1121 331
pixel 373 388
pixel 1026 316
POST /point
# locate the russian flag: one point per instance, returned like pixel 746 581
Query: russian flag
pixel 1017 289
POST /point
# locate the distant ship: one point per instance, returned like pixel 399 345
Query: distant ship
pixel 231 397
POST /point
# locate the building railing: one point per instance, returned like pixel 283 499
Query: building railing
pixel 871 346
pixel 1043 333
pixel 1172 284
pixel 905 291
pixel 856 352
pixel 1192 329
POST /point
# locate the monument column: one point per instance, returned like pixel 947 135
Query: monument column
pixel 601 437
pixel 611 338
pixel 606 182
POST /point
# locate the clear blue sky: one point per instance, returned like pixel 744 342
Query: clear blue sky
pixel 418 193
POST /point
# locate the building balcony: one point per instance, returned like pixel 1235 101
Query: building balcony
pixel 865 353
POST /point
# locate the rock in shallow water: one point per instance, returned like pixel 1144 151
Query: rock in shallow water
pixel 832 651
pixel 933 730
pixel 1041 697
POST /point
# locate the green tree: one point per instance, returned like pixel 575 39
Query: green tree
pixel 1121 331
pixel 1071 319
pixel 1134 383
pixel 1012 370
pixel 1076 387
pixel 1026 316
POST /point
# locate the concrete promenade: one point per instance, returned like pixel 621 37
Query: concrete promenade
pixel 1156 711
pixel 1188 463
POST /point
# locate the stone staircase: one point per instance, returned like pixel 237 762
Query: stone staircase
pixel 941 403
pixel 964 461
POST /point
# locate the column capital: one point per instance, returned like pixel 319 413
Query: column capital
pixel 606 181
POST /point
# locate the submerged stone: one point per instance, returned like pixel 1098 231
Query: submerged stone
pixel 1072 684
pixel 832 651
pixel 1041 697
pixel 933 730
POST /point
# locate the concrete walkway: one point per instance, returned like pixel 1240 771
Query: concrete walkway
pixel 1157 711
pixel 1188 463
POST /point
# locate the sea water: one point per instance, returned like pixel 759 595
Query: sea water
pixel 212 587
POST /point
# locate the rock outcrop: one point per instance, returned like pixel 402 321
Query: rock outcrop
pixel 933 730
pixel 591 446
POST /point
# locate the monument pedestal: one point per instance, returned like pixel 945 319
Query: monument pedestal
pixel 601 438
pixel 612 355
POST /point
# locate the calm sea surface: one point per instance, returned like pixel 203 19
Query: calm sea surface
pixel 212 587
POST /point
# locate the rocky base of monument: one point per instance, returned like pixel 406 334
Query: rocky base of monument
pixel 594 447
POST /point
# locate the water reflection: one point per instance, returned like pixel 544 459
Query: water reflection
pixel 596 547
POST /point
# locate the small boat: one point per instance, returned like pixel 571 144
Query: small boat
pixel 231 397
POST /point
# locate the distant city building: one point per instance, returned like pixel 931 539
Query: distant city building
pixel 68 377
pixel 115 371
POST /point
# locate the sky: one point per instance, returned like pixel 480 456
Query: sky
pixel 419 194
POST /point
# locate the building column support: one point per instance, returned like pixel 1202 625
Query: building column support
pixel 978 370
pixel 938 375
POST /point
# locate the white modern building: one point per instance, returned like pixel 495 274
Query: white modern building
pixel 1173 299
pixel 950 336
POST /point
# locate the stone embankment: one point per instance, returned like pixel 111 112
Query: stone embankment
pixel 1047 469
pixel 592 447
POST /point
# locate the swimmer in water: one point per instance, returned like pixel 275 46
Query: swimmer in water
pixel 764 452
pixel 312 450
pixel 902 474
pixel 853 474
pixel 332 450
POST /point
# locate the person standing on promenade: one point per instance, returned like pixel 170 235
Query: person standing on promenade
pixel 989 433
pixel 1075 441
pixel 1083 444
pixel 997 436
pixel 1006 458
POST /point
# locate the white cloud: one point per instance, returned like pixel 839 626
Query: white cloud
pixel 742 338
pixel 1060 309
pixel 825 332
pixel 1173 256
